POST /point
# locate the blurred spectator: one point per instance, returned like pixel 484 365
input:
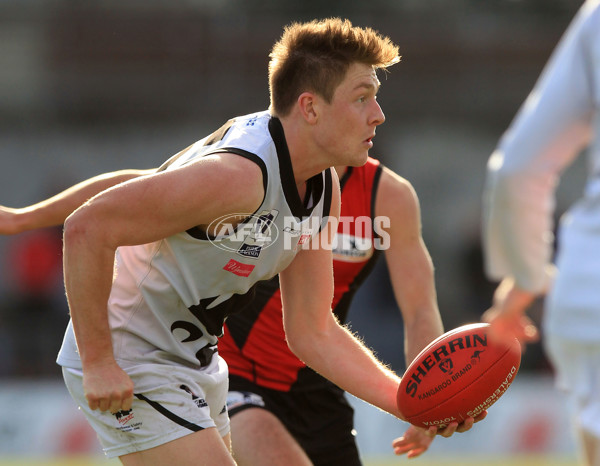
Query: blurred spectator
pixel 34 312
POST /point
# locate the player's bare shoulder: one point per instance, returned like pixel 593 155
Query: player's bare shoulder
pixel 396 196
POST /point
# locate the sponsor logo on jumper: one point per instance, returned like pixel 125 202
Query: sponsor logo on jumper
pixel 249 250
pixel 352 248
pixel 239 268
pixel 255 232
pixel 304 238
pixel 441 354
pixel 304 234
pixel 367 233
pixel 290 231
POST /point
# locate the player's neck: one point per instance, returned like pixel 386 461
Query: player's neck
pixel 307 160
pixel 340 170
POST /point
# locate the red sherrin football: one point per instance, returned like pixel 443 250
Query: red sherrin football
pixel 459 374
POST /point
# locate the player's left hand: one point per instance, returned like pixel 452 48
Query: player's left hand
pixel 414 442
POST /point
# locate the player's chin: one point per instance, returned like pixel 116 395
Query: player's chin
pixel 359 159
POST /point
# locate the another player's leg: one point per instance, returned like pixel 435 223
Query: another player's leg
pixel 260 439
pixel 205 448
pixel 578 375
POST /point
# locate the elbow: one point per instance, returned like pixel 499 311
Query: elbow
pixel 302 340
pixel 73 229
pixel 297 344
pixel 503 184
pixel 77 230
pixel 306 342
pixel 503 169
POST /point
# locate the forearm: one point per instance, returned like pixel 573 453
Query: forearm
pixel 340 357
pixel 88 272
pixel 55 210
pixel 414 288
pixel 412 276
pixel 409 264
pixel 547 134
pixel 517 227
pixel 424 327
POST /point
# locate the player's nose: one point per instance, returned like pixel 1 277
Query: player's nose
pixel 377 116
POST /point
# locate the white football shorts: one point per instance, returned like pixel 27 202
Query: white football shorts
pixel 169 403
pixel 577 367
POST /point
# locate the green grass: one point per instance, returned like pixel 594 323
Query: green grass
pixel 470 460
pixel 529 460
pixel 59 461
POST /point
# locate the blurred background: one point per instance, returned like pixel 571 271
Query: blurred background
pixel 91 87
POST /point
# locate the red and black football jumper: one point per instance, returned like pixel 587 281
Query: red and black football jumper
pixel 313 409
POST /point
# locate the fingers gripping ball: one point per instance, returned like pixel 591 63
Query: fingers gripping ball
pixel 460 374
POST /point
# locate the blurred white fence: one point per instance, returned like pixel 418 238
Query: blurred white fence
pixel 40 419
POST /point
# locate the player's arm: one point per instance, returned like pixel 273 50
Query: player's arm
pixel 548 133
pixel 408 261
pixel 54 210
pixel 139 211
pixel 398 221
pixel 315 336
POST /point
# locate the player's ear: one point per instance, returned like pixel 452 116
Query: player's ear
pixel 307 103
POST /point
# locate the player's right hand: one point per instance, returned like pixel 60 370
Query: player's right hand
pixel 108 388
pixel 504 327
